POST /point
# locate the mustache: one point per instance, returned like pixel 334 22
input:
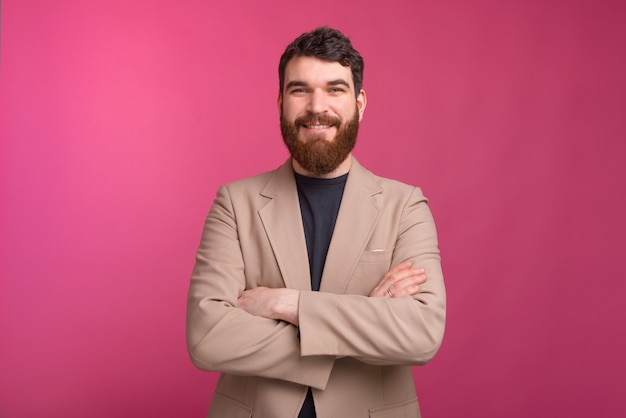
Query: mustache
pixel 317 120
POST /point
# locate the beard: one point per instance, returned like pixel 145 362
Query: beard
pixel 318 155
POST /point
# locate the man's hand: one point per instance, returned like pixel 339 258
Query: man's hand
pixel 271 303
pixel 402 280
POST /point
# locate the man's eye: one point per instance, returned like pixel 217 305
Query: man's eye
pixel 335 90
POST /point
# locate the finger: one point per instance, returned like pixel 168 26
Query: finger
pixel 406 274
pixel 409 285
pixel 399 268
pixel 405 291
pixel 398 272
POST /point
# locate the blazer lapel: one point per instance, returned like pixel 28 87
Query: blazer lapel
pixel 355 223
pixel 282 221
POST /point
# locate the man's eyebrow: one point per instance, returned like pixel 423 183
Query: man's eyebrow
pixel 297 83
pixel 338 82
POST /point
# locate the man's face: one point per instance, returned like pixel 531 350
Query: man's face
pixel 319 113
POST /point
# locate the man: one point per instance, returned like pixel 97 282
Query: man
pixel 309 292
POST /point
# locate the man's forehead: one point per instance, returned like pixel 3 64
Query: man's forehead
pixel 315 70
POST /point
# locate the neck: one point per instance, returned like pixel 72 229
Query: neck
pixel 342 169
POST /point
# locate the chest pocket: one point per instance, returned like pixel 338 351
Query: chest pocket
pixel 370 270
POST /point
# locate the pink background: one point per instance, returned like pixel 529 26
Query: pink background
pixel 119 119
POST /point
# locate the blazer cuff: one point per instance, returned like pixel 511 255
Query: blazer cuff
pixel 311 341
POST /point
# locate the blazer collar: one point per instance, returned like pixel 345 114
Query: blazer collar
pixel 282 221
pixel 356 220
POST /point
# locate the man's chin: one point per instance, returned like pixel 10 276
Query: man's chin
pixel 327 135
pixel 316 139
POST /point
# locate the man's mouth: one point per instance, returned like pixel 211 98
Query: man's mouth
pixel 318 123
pixel 317 126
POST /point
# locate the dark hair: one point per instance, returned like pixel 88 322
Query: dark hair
pixel 326 44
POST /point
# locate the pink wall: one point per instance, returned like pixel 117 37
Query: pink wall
pixel 119 119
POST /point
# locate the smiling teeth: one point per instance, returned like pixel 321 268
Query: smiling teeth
pixel 318 126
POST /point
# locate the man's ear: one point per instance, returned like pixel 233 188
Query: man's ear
pixel 361 103
pixel 279 101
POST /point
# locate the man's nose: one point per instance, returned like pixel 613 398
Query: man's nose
pixel 317 102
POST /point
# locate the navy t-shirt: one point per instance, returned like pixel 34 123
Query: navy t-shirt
pixel 319 203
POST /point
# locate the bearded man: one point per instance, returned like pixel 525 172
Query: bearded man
pixel 318 285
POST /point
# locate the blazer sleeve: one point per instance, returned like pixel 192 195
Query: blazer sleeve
pixel 224 338
pixel 379 330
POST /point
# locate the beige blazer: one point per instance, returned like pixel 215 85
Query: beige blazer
pixel 354 351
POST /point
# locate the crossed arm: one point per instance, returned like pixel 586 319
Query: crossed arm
pixel 282 303
pixel 251 332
